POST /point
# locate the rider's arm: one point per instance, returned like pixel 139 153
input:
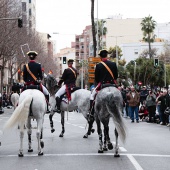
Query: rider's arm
pixel 24 73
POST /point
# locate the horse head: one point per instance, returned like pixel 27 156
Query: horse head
pixel 51 84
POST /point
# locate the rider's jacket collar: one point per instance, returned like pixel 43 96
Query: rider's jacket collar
pixel 104 59
pixel 32 61
pixel 70 66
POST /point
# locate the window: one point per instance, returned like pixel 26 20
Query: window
pixel 29 1
pixel 24 6
pixel 29 12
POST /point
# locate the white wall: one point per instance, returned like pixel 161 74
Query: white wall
pixel 131 51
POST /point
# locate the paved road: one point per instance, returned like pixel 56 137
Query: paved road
pixel 147 147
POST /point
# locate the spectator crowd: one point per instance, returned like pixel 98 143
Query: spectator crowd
pixel 146 104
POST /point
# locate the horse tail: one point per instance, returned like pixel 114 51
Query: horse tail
pixel 115 111
pixel 20 114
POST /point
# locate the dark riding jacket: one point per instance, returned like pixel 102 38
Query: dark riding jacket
pixel 35 68
pixel 102 75
pixel 68 76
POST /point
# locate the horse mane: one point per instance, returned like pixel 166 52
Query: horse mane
pixel 51 84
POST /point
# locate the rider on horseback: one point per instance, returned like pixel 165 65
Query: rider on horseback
pixel 32 74
pixel 105 73
pixel 69 78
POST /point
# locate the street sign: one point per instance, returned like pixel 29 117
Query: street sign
pixel 92 65
pixel 91 75
pixel 91 70
pixel 91 80
pixel 94 59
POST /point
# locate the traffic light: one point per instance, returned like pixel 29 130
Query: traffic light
pixel 156 62
pixel 4 88
pixel 64 60
pixel 19 22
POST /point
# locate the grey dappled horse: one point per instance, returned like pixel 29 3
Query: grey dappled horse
pixel 32 105
pixel 109 103
pixel 80 99
pixel 15 99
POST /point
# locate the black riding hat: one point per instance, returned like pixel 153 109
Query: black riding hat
pixel 34 53
pixel 103 53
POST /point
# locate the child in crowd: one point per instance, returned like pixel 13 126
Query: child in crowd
pixel 143 112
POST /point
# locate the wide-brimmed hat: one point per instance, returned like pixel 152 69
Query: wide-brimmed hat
pixel 70 61
pixel 34 53
pixel 103 52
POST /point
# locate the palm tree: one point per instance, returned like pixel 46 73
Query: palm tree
pixel 93 27
pixel 148 26
pixel 102 30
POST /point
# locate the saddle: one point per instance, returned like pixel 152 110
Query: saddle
pixel 108 85
pixel 38 87
pixel 67 97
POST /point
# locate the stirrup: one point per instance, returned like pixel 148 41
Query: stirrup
pixel 47 111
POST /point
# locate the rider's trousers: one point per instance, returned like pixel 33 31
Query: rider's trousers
pixel 61 91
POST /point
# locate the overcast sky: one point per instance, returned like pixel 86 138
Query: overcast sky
pixel 69 17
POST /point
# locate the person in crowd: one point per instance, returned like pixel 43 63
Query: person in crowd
pixel 32 74
pixel 69 78
pixel 151 106
pixel 143 95
pixel 16 88
pixel 103 76
pixel 124 100
pixel 165 102
pixel 127 90
pixel 133 99
pixel 158 105
pixel 143 113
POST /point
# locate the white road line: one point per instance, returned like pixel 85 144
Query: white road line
pixel 130 156
pixel 134 162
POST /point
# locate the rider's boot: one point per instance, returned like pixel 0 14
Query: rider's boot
pixel 47 101
pixel 58 102
pixel 91 113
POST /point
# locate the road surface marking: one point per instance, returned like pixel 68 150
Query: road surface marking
pixel 130 156
pixel 134 162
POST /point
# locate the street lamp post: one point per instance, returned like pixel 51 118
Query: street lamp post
pixel 97 30
pixel 134 72
pixel 116 49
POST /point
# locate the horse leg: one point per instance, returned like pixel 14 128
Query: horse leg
pixel 51 122
pixel 39 136
pixel 62 123
pixel 29 132
pixel 20 154
pixel 105 146
pixel 99 131
pixel 90 128
pixel 109 144
pixel 116 146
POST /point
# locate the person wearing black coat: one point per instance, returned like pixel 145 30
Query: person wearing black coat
pixel 165 102
pixel 103 76
pixel 69 77
pixel 36 70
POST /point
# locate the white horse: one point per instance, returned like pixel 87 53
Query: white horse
pixel 109 103
pixel 80 99
pixel 32 105
pixel 15 99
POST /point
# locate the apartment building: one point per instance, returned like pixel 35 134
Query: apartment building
pixel 82 44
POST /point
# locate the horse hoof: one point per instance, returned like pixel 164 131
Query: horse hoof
pixel 105 149
pixel 93 130
pixel 61 135
pixel 85 136
pixel 42 144
pixel 110 146
pixel 40 153
pixel 116 155
pixel 30 150
pixel 100 151
pixel 52 130
pixel 20 154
